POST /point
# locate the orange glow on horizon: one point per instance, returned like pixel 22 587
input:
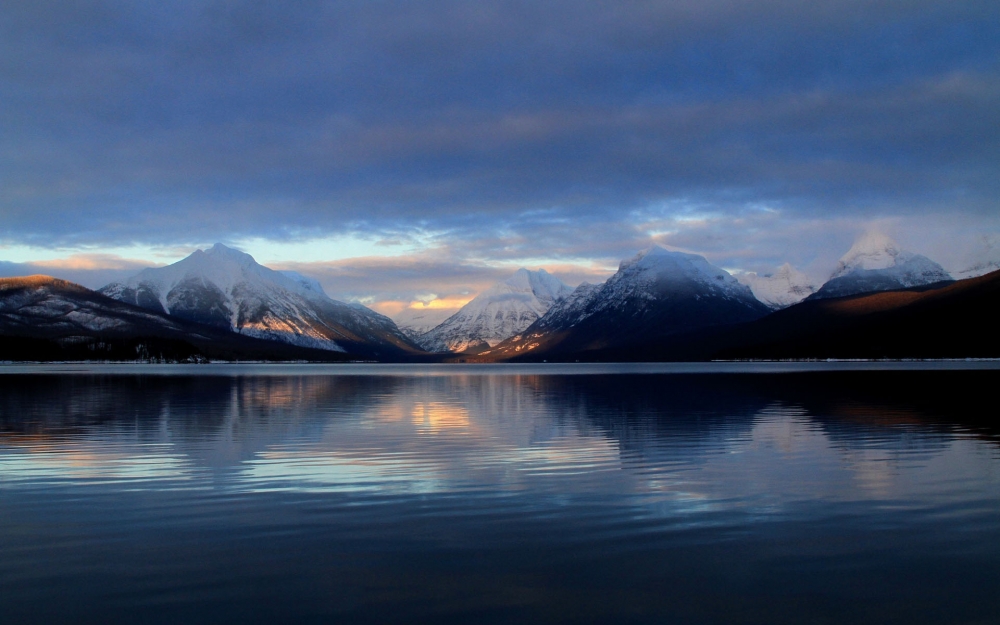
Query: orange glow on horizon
pixel 93 261
pixel 394 307
pixel 455 302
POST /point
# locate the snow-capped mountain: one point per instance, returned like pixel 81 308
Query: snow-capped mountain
pixel 654 294
pixel 498 313
pixel 780 289
pixel 875 263
pixel 44 318
pixel 226 288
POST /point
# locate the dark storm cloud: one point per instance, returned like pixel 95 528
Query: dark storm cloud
pixel 524 125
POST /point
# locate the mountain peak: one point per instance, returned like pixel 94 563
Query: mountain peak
pixel 541 284
pixel 228 289
pixel 658 259
pixel 520 280
pixel 788 270
pixel 876 263
pixel 872 250
pixel 497 313
pixel 654 294
pixel 649 254
pixel 223 251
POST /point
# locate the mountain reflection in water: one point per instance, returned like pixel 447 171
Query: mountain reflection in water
pixel 527 497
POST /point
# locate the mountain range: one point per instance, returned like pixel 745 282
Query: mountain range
pixel 220 303
pixel 654 294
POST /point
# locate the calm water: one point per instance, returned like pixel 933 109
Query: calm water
pixel 630 494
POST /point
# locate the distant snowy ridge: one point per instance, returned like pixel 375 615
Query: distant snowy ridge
pixel 498 313
pixel 227 288
pixel 781 289
pixel 876 263
pixel 979 269
pixel 653 294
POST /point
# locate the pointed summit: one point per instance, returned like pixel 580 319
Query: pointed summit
pixel 876 263
pixel 228 289
pixel 223 250
pixel 872 250
pixel 500 312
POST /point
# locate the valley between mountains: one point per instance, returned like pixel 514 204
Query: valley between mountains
pixel 220 304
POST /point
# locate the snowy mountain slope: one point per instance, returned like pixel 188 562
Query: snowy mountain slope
pixel 653 294
pixel 564 315
pixel 309 284
pixel 43 318
pixel 41 303
pixel 571 309
pixel 228 289
pixel 497 313
pixel 781 289
pixel 875 263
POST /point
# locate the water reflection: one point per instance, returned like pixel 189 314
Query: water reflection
pixel 499 498
pixel 733 441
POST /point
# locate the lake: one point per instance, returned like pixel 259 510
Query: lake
pixel 705 493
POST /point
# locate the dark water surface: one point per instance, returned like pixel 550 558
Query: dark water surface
pixel 465 494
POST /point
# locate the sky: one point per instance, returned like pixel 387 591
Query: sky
pixel 413 153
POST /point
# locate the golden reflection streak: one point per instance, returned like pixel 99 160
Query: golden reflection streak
pixel 437 416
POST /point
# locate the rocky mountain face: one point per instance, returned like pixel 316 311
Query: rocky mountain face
pixel 46 306
pixel 876 263
pixel 780 289
pixel 228 289
pixel 653 294
pixel 43 318
pixel 498 313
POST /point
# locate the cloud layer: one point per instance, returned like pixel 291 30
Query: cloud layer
pixel 502 130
